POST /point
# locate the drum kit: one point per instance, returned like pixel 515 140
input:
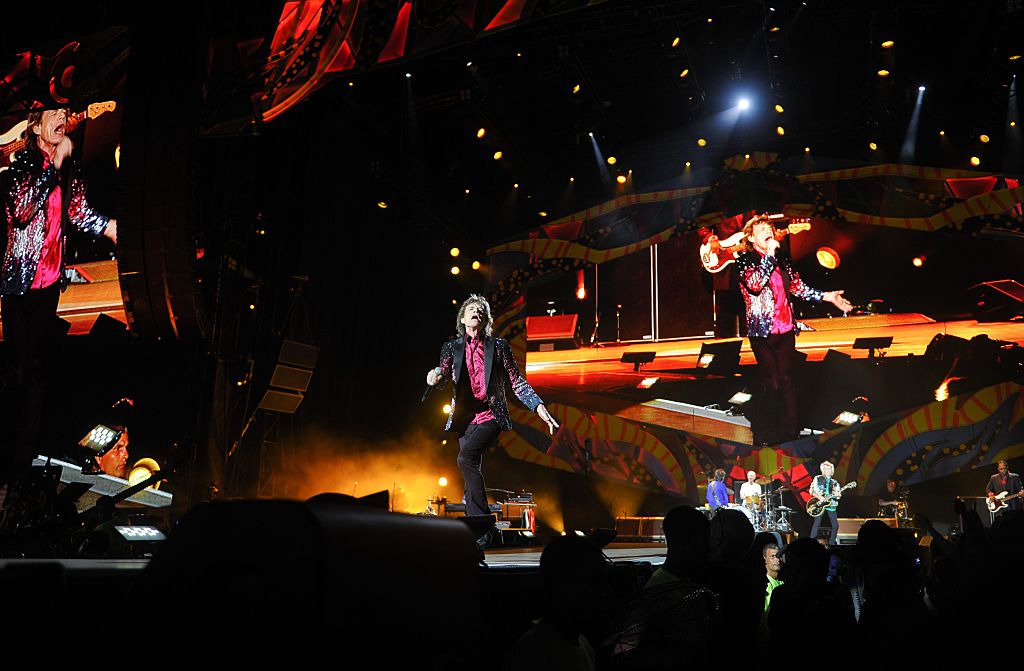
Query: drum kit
pixel 767 512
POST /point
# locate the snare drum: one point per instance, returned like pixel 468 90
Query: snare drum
pixel 753 502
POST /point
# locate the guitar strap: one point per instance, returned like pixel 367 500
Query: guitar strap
pixel 65 218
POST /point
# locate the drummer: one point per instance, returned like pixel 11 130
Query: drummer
pixel 750 491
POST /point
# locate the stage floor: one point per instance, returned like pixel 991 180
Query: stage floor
pixel 83 303
pixel 593 378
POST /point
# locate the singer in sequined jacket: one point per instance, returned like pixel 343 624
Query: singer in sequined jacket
pixel 497 354
pixel 26 186
pixel 755 272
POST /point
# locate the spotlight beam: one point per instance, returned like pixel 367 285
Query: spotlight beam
pixel 910 139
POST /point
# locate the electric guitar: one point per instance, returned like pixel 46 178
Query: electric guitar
pixel 715 256
pixel 14 141
pixel 998 502
pixel 815 507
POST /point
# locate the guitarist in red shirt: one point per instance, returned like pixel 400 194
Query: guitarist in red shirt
pixel 1004 481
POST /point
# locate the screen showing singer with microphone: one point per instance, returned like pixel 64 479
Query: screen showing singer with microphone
pixel 480 366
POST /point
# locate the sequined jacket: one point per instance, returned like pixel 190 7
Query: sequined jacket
pixel 464 405
pixel 24 188
pixel 755 272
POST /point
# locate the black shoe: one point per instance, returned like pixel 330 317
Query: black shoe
pixel 487 540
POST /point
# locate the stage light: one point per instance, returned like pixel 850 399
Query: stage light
pixel 918 261
pixel 576 89
pixel 740 397
pixel 647 382
pixel 883 73
pixel 454 302
pixel 848 418
pixel 408 75
pixel 701 142
pixel 621 179
pixel 590 134
pixel 444 442
pixel 519 54
pixel 442 481
pixel 467 192
pixel 498 155
pixel 252 306
pixel 446 408
pixel 476 265
pixel 827 257
pixel 773 29
pixel 942 133
pixel 921 89
pixel 687 164
pixel 888 44
pixel 975 161
pixel 872 146
pixel 1015 57
pixel 807 150
pixel 746 157
pixel 984 138
pixel 709 20
pixel 743 104
pixel 515 185
pixel 117 156
pixel 455 270
pixel 780 109
pixel 480 132
pixel 454 251
pixel 142 470
pixel 1013 124
pixel 543 213
pixel 382 204
pixel 581 293
pixel 779 130
pixel 684 73
pixel 351 84
pixel 612 160
pixel 675 43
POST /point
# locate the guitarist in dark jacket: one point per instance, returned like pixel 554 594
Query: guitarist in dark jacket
pixel 480 365
pixel 824 487
pixel 1004 481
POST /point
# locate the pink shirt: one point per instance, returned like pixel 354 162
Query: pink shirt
pixel 477 376
pixel 782 318
pixel 48 270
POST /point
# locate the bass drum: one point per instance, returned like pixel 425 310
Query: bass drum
pixel 746 511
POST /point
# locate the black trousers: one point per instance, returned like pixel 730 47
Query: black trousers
pixel 473 442
pixel 833 516
pixel 29 323
pixel 776 418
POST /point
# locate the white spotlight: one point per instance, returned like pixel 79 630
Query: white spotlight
pixel 743 104
pixel 590 134
pixel 920 88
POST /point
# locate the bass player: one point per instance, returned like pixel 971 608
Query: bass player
pixel 1004 481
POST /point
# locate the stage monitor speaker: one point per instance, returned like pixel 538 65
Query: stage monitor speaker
pixel 637 359
pixel 720 357
pixel 106 326
pixel 550 332
pixel 997 301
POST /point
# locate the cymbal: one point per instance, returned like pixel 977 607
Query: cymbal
pixel 784 509
pixel 763 481
pixel 703 485
pixel 780 489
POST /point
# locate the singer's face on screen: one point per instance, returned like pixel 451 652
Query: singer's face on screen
pixel 50 128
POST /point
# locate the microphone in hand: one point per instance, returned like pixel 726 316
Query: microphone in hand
pixel 432 387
